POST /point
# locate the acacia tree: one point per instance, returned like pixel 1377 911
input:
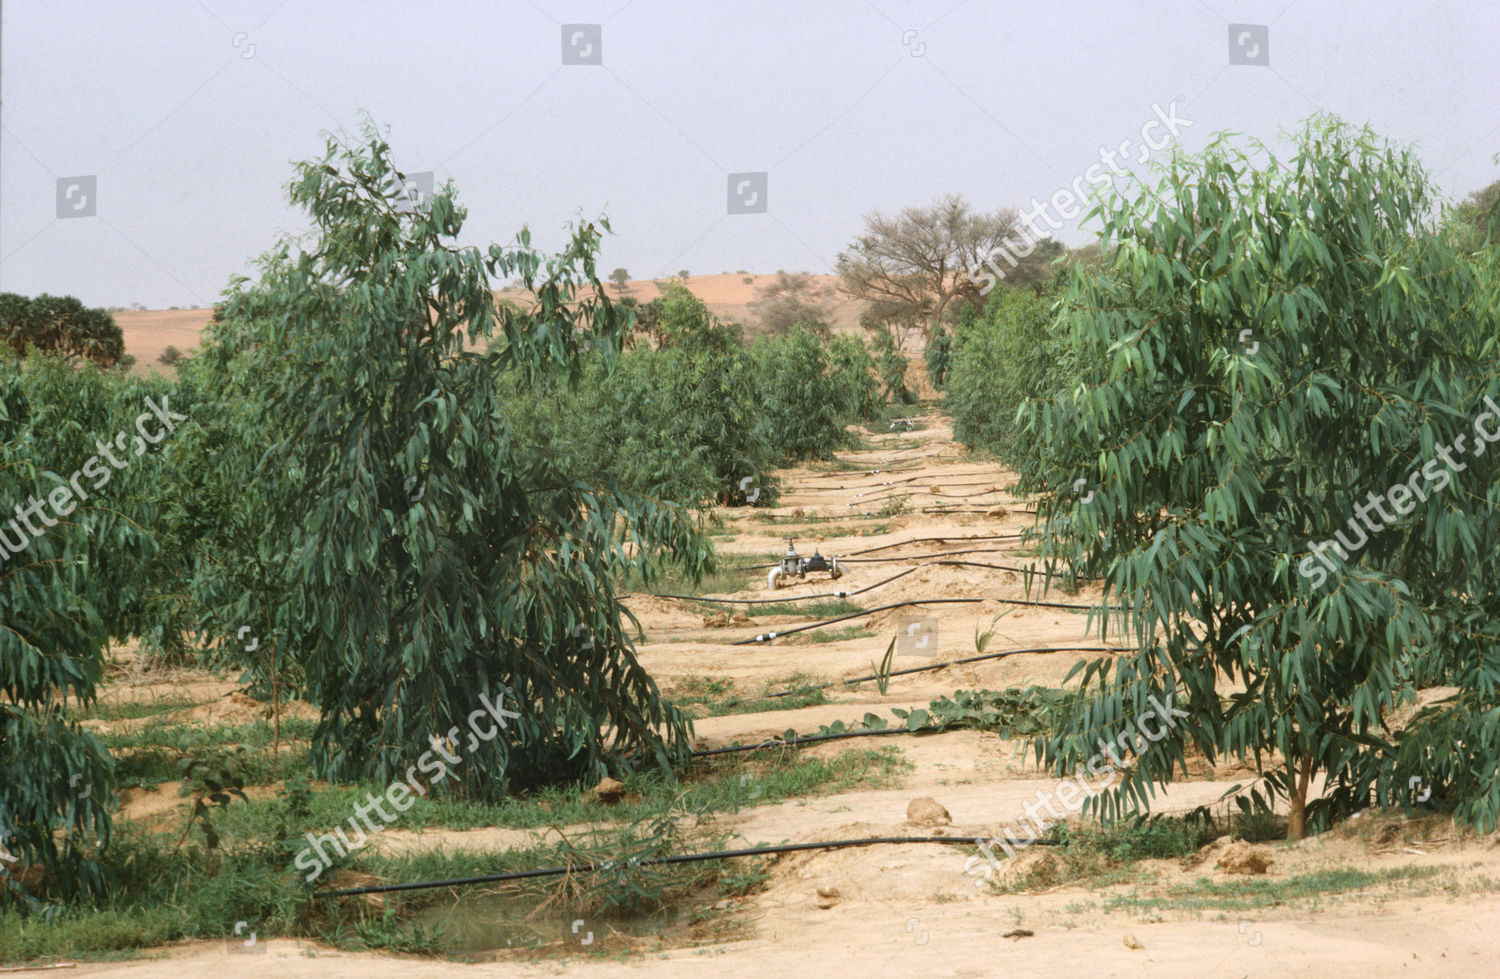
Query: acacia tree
pixel 429 556
pixel 1273 344
pixel 790 300
pixel 909 267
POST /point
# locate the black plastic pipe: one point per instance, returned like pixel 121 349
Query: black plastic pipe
pixel 952 662
pixel 661 861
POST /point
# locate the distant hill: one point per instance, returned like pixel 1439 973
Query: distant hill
pixel 149 332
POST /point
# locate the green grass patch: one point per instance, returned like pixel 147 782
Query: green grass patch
pixel 149 755
pixel 830 635
pixel 134 710
pixel 822 609
pixel 836 465
pixel 736 573
pixel 1104 855
pixel 1244 893
pixel 715 697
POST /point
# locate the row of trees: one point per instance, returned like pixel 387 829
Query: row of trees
pixel 1270 346
pixel 408 492
pixel 690 412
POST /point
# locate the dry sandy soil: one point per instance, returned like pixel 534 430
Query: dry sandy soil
pixel 910 910
pixel 149 332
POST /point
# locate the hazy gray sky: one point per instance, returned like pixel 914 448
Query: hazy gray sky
pixel 190 112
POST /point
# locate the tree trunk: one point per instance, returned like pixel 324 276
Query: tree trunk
pixel 1296 826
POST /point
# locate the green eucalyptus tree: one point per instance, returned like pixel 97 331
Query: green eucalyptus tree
pixel 427 557
pixel 81 455
pixel 1273 345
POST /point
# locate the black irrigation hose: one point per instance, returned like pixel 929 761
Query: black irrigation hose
pixel 856 473
pixel 789 598
pixel 918 557
pixel 923 540
pixel 1004 567
pixel 939 479
pixel 661 861
pixel 952 662
pixel 858 591
pixel 892 560
pixel 768 636
pixel 1026 602
pixel 982 513
pixel 810 739
pixel 966 496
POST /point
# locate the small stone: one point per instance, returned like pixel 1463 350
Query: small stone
pixel 828 895
pixel 996 511
pixel 609 791
pixel 927 812
pixel 1132 942
pixel 716 621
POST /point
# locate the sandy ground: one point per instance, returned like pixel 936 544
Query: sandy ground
pixel 911 910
